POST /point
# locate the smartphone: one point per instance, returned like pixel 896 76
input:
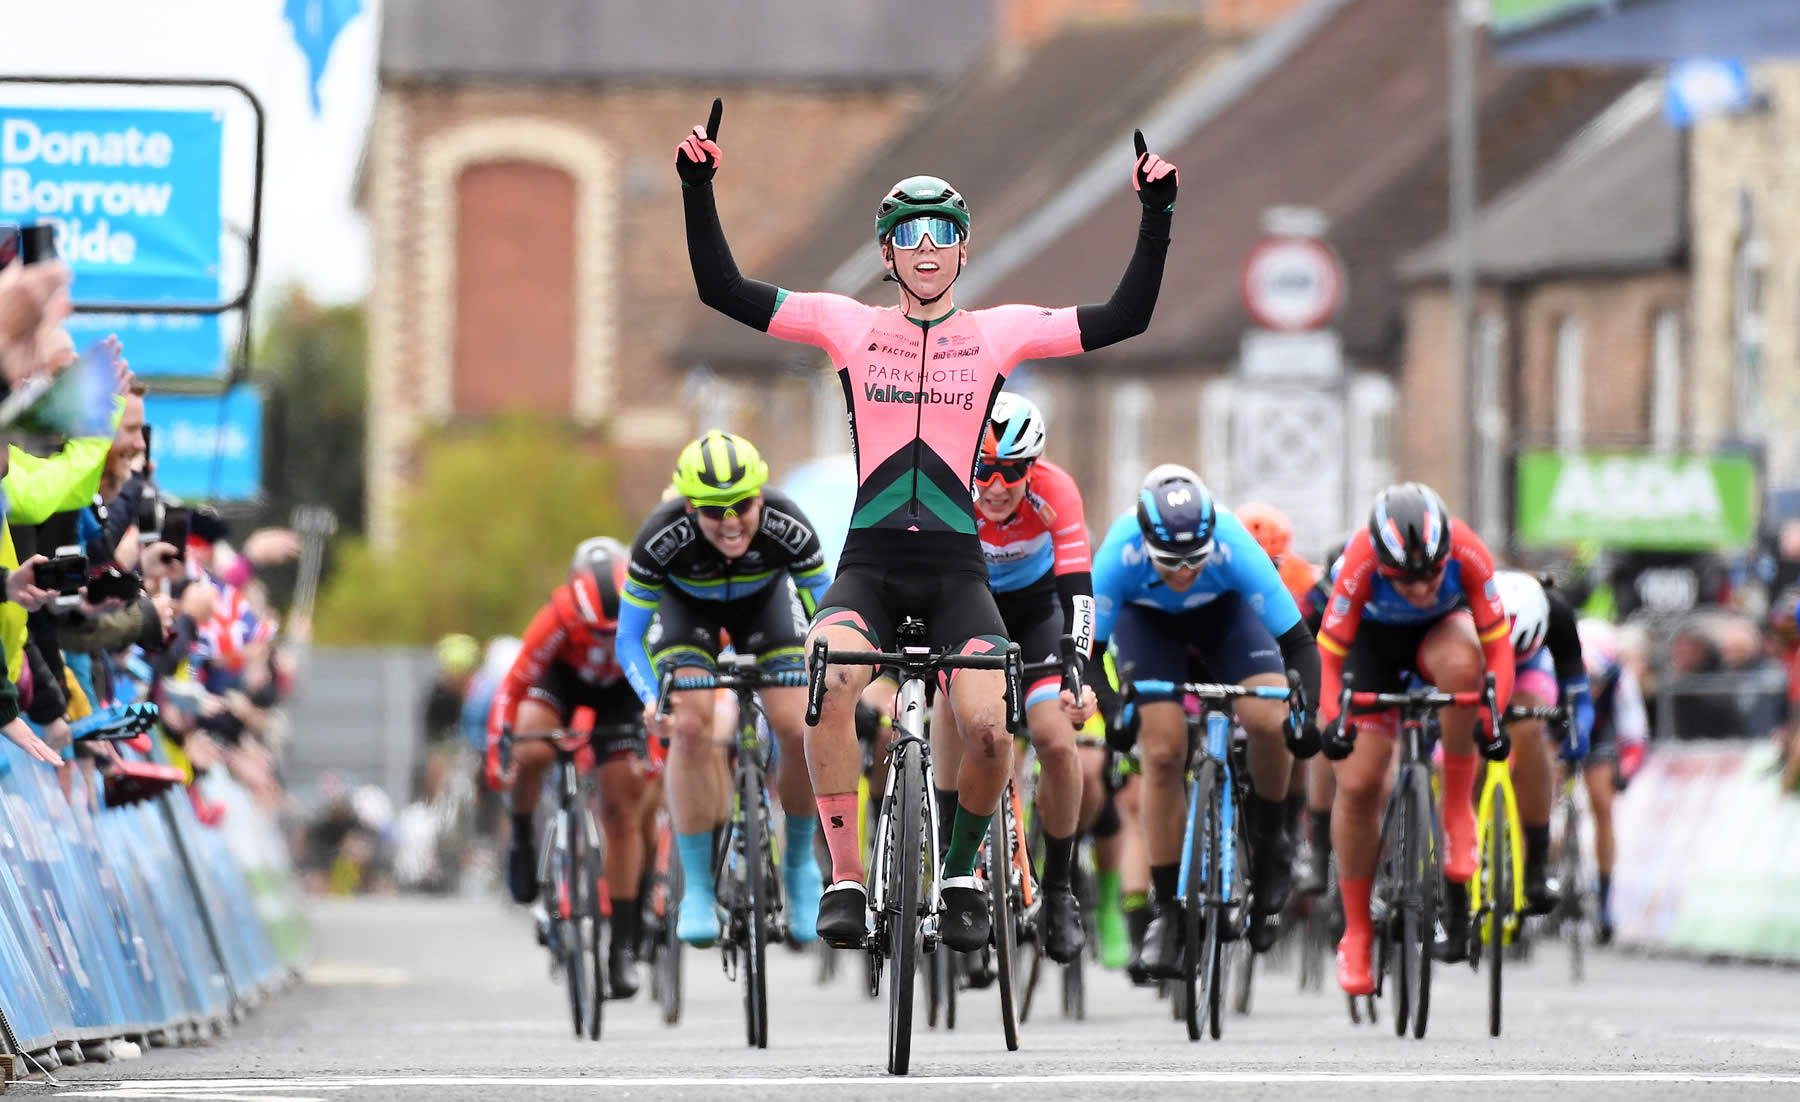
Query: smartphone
pixel 175 528
pixel 9 243
pixel 149 517
pixel 62 573
pixel 112 583
pixel 37 243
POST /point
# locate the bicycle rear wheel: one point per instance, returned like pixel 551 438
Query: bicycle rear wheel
pixel 907 865
pixel 1497 868
pixel 999 885
pixel 1572 906
pixel 753 829
pixel 1202 854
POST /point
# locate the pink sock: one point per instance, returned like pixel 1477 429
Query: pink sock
pixel 837 815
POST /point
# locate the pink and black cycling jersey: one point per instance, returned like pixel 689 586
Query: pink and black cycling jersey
pixel 919 394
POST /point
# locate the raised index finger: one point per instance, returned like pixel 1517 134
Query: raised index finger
pixel 1137 139
pixel 712 120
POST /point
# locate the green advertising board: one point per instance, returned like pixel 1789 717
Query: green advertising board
pixel 1638 500
pixel 1511 16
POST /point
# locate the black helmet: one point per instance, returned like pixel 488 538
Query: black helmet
pixel 1410 530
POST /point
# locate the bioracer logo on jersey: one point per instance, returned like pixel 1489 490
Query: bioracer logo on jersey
pixel 875 392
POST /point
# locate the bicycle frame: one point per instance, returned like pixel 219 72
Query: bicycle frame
pixel 910 724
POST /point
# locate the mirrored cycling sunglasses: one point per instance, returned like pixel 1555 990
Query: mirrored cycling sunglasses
pixel 909 234
pixel 1175 560
pixel 1009 473
pixel 1410 576
pixel 720 512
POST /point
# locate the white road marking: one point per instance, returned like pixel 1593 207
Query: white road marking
pixel 175 1088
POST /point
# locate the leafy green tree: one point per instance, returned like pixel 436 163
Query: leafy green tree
pixel 486 531
pixel 312 364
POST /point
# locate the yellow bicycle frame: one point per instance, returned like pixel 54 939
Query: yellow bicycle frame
pixel 1497 784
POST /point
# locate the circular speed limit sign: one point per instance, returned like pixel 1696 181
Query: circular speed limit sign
pixel 1292 283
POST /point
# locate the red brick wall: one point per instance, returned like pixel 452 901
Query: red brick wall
pixel 515 279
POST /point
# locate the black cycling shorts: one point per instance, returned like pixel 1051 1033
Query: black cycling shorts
pixel 1222 641
pixel 771 625
pixel 564 691
pixel 1034 620
pixel 1384 658
pixel 955 604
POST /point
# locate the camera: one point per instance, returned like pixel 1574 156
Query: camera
pixel 113 584
pixel 65 573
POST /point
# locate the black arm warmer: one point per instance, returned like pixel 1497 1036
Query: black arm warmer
pixel 1069 587
pixel 1128 312
pixel 1301 653
pixel 716 275
pixel 1564 640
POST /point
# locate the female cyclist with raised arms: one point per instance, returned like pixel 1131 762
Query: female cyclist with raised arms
pixel 919 378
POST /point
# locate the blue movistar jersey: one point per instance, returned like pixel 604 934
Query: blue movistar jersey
pixel 1123 575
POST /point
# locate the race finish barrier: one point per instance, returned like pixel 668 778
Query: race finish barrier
pixel 1709 854
pixel 135 922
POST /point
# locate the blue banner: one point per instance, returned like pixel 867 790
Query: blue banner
pixel 207 447
pixel 135 197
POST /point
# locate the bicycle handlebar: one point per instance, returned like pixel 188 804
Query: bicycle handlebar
pixel 915 662
pixel 1419 699
pixel 734 678
pixel 1515 714
pixel 1068 664
pixel 563 741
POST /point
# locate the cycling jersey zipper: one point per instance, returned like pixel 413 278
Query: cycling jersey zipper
pixel 912 507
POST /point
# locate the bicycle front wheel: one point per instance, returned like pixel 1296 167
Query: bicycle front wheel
pixel 999 883
pixel 907 863
pixel 572 892
pixel 757 885
pixel 1497 869
pixel 669 948
pixel 1202 854
pixel 1419 880
pixel 1569 873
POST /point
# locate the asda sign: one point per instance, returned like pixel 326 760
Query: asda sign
pixel 1640 500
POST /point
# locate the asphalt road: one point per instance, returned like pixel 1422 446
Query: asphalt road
pixel 427 1001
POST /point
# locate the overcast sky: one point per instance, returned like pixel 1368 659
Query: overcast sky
pixel 311 234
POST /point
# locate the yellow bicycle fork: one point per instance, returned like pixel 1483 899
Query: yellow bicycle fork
pixel 1497 785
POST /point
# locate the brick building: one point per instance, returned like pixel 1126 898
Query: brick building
pixel 1743 172
pixel 526 222
pixel 1581 308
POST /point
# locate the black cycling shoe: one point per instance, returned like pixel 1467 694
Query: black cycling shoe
pixel 964 923
pixel 1061 926
pixel 1541 895
pixel 1453 924
pixel 521 868
pixel 621 972
pixel 1271 873
pixel 1265 931
pixel 1162 942
pixel 1137 923
pixel 844 915
pixel 1603 933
